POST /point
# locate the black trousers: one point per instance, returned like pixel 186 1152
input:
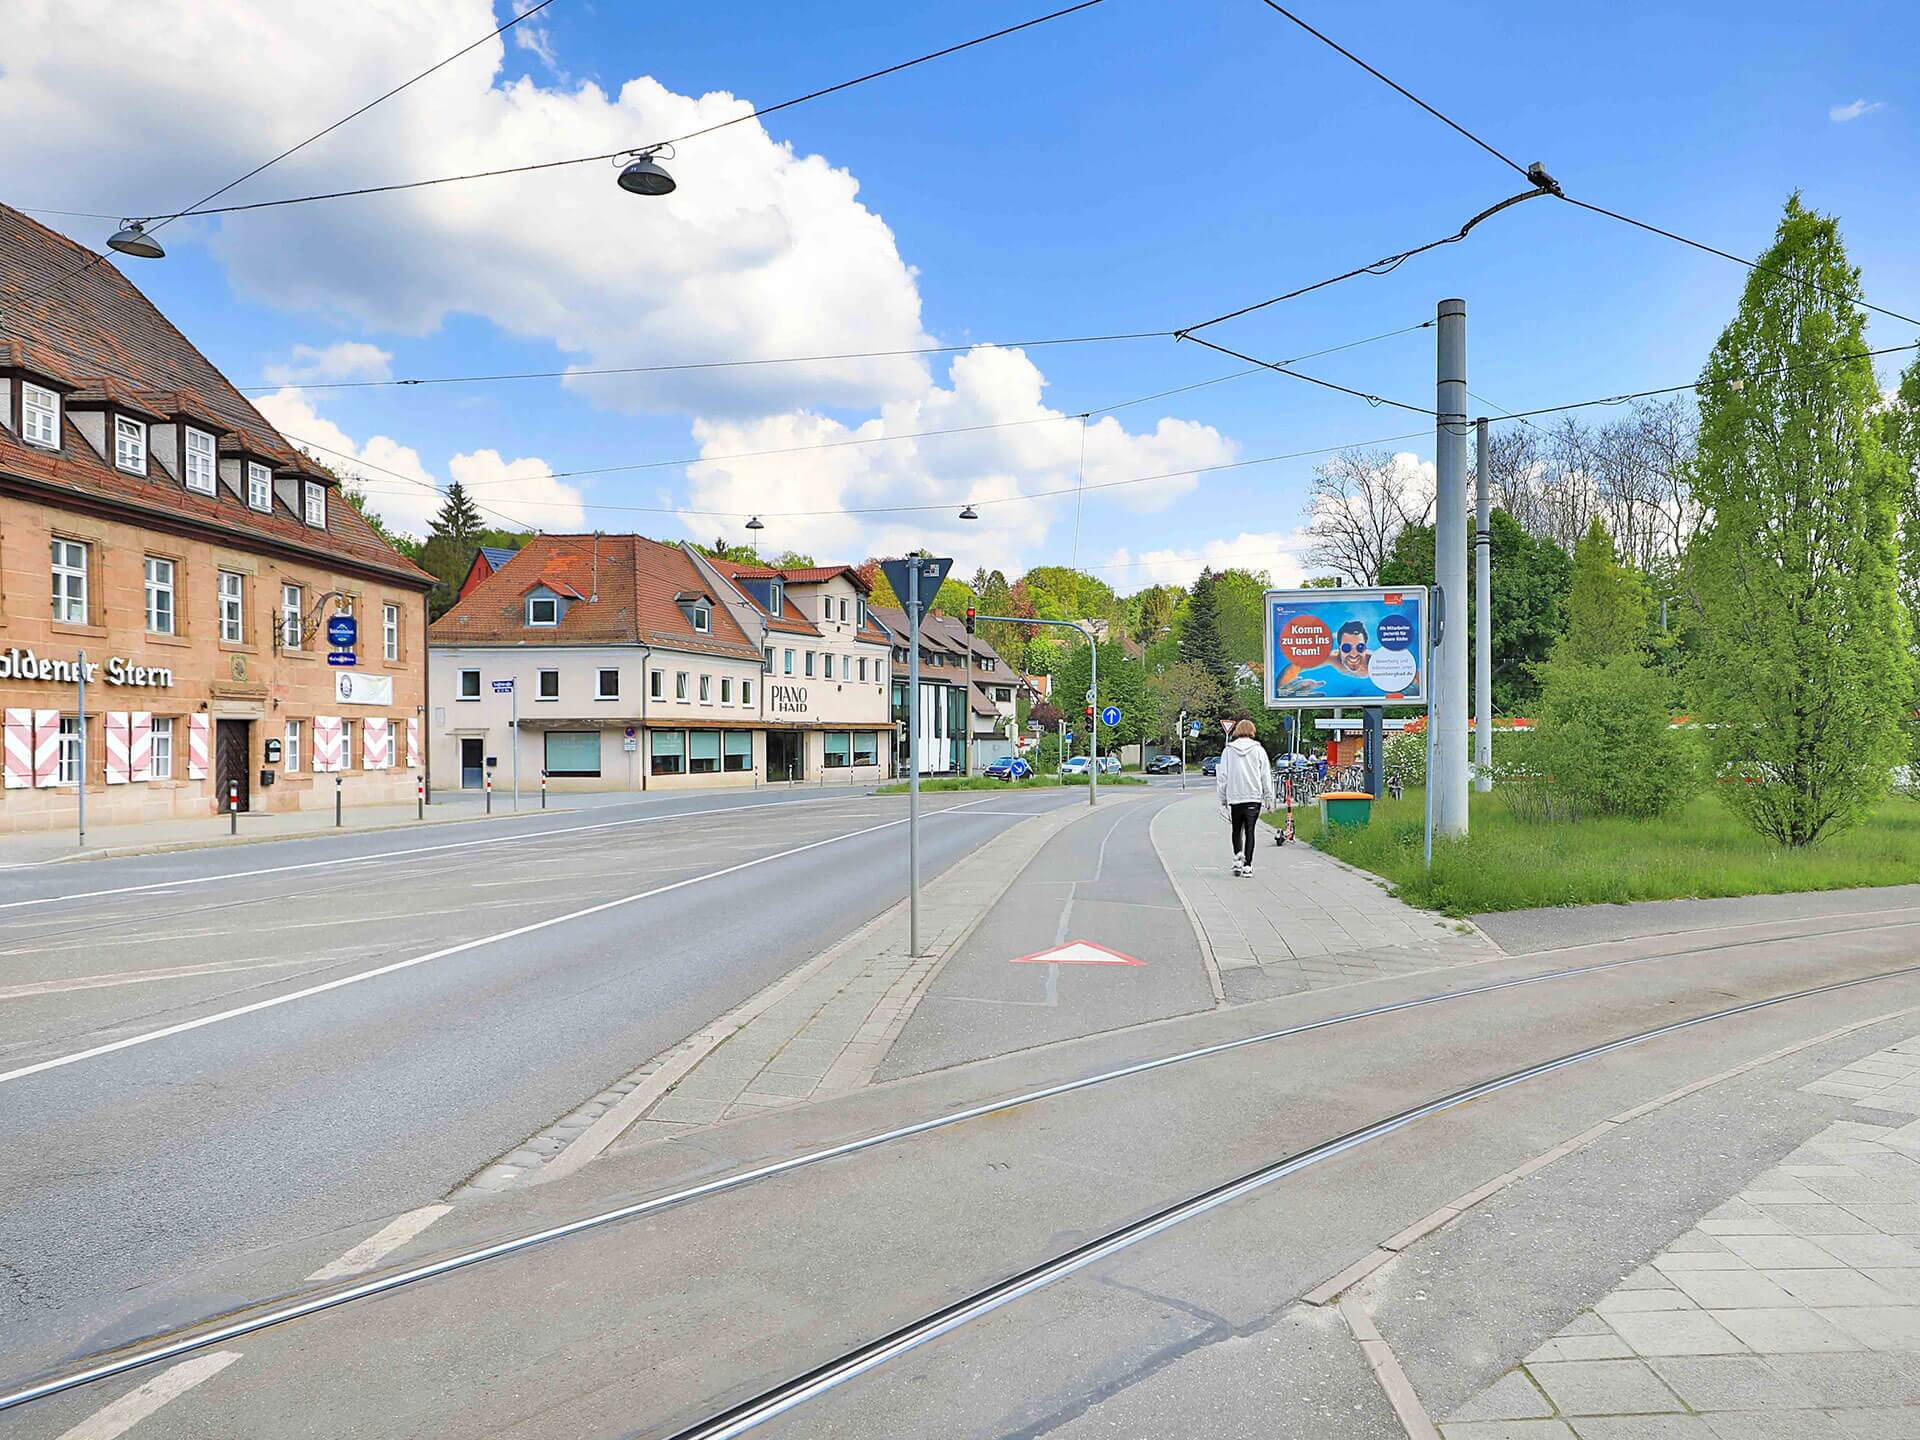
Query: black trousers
pixel 1246 821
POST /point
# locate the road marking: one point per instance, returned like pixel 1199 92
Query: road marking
pixel 160 885
pixel 148 1037
pixel 136 1405
pixel 382 1243
pixel 1077 952
pixel 138 977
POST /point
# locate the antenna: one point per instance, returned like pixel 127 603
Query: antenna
pixel 595 598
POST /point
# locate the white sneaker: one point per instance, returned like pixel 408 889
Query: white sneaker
pixel 1246 870
pixel 1238 868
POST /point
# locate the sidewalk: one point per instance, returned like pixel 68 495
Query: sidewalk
pixel 1302 920
pixel 1793 1310
pixel 44 847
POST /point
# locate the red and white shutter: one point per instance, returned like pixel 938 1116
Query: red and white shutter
pixel 326 743
pixel 197 727
pixel 46 748
pixel 19 749
pixel 413 744
pixel 117 766
pixel 376 739
pixel 140 745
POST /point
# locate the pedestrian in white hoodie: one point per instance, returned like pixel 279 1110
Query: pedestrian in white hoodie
pixel 1244 784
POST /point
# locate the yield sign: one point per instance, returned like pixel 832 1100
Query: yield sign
pixel 1078 952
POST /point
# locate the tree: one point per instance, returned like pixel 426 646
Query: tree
pixel 791 560
pixel 721 549
pixel 1151 610
pixel 1123 682
pixel 1240 602
pixel 1201 643
pixel 1803 672
pixel 1607 603
pixel 449 560
pixel 1182 687
pixel 459 517
pixel 1361 500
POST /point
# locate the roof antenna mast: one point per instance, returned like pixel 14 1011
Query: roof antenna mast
pixel 596 567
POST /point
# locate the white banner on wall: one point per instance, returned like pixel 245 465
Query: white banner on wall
pixel 352 687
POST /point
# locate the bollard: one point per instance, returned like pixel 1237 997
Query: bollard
pixel 543 789
pixel 337 782
pixel 233 807
pixel 489 792
pixel 420 795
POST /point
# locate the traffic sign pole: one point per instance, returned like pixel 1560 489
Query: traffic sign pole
pixel 1093 721
pixel 514 736
pixel 910 578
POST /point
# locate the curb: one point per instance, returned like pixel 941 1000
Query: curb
pixel 1193 918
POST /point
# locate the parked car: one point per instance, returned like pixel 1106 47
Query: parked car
pixel 1109 764
pixel 1209 765
pixel 1074 765
pixel 1164 765
pixel 1009 767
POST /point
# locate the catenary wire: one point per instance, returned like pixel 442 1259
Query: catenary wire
pixel 656 144
pixel 1280 368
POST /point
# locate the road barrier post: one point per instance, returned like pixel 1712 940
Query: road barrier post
pixel 543 789
pixel 420 796
pixel 489 792
pixel 339 801
pixel 233 807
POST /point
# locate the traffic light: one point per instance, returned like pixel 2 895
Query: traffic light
pixel 1089 712
pixel 971 612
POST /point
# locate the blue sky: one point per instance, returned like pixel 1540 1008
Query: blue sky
pixel 1138 166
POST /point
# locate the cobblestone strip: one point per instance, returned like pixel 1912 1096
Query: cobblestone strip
pixel 821 1028
pixel 1793 1310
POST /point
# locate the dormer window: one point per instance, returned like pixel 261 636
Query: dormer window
pixel 316 504
pixel 702 619
pixel 260 490
pixel 200 461
pixel 39 416
pixel 130 445
pixel 776 597
pixel 543 610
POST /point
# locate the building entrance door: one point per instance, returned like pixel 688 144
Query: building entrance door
pixel 473 763
pixel 232 751
pixel 785 749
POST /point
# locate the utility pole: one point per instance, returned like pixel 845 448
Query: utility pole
pixel 913 760
pixel 1482 612
pixel 1447 782
pixel 80 791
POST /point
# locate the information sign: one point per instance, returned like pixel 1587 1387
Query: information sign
pixel 1346 647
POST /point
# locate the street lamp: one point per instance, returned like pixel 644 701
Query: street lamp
pixel 969 513
pixel 132 239
pixel 642 175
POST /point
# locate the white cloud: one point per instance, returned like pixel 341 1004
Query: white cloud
pixel 1277 552
pixel 534 37
pixel 987 386
pixel 344 360
pixel 1853 110
pixel 402 490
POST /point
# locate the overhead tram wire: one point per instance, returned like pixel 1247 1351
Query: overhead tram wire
pixel 1534 173
pixel 1280 368
pixel 158 222
pixel 625 150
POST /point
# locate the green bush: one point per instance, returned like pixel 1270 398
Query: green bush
pixel 1605 746
pixel 1406 756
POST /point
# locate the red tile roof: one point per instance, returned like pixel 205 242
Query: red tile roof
pixel 628 586
pixel 789 621
pixel 73 319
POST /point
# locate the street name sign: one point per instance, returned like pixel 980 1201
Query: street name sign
pixel 503 687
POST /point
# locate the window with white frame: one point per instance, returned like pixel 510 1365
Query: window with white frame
pixel 200 461
pixel 863 667
pixel 726 690
pixel 607 685
pixel 680 685
pixel 702 619
pixel 70 581
pixel 316 497
pixel 160 766
pixel 843 611
pixel 549 686
pixel 469 684
pixel 292 613
pixel 543 610
pixel 130 444
pixel 776 597
pixel 290 755
pixel 789 662
pixel 69 772
pixel 390 631
pixel 233 629
pixel 769 659
pixel 346 744
pixel 159 596
pixel 826 664
pixel 657 685
pixel 259 486
pixel 746 692
pixel 39 416
pixel 809 664
pixel 706 689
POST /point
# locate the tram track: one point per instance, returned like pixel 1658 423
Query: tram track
pixel 235 1323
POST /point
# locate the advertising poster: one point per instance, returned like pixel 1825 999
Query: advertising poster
pixel 1346 647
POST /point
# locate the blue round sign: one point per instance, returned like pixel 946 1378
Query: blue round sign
pixel 1110 715
pixel 342 631
pixel 1396 632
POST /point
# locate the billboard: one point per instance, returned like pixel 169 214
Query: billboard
pixel 1346 647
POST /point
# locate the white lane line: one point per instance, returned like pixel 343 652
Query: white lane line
pixel 518 838
pixel 148 1037
pixel 382 1243
pixel 140 977
pixel 136 1405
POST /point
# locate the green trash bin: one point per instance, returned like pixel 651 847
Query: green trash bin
pixel 1346 807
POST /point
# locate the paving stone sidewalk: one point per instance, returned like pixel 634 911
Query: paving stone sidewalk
pixel 1302 920
pixel 1792 1312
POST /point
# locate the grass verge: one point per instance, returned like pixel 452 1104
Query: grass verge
pixel 981 782
pixel 1702 850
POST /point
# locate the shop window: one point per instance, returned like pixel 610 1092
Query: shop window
pixel 573 752
pixel 866 747
pixel 738 754
pixel 838 749
pixel 669 752
pixel 703 752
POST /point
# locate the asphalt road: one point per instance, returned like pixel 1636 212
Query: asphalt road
pixel 151 1133
pixel 643 1327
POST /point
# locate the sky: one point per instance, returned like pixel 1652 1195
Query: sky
pixel 1141 165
